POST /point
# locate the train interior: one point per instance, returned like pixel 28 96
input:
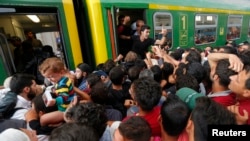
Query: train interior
pixel 43 22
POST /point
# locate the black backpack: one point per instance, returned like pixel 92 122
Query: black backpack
pixel 7 105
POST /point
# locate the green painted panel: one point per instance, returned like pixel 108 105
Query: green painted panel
pixel 221 4
pixel 3 73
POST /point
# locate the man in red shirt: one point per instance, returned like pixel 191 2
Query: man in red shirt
pixel 220 77
pixel 146 94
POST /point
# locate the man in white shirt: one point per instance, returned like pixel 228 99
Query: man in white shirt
pixel 24 86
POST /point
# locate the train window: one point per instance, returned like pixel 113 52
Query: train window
pixel 205 28
pixel 163 20
pixel 234 24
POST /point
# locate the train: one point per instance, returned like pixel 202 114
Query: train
pixel 86 30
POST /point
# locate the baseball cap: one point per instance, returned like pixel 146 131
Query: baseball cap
pixel 188 96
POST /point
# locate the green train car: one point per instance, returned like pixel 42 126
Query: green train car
pixel 86 30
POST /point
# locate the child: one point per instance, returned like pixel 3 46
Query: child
pixel 54 70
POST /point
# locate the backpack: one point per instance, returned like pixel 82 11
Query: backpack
pixel 7 105
pixel 7 109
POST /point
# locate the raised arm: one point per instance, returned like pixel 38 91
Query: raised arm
pixel 164 38
pixel 235 62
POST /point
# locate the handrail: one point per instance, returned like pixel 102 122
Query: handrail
pixel 6 56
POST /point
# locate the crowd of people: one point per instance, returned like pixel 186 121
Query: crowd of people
pixel 143 95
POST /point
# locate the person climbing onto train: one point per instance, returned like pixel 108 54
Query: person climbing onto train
pixel 142 42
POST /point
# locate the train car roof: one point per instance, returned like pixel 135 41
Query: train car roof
pixel 220 4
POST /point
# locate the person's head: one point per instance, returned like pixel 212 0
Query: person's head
pixel 157 73
pixel 16 41
pixel 121 19
pixel 99 93
pixel 40 107
pixel 82 70
pixel 139 24
pixel 243 46
pixel 174 115
pixel 133 73
pixel 245 57
pixel 90 114
pixel 222 73
pixel 167 70
pixel 29 34
pixel 191 56
pixel 146 73
pixel 130 56
pixel 228 49
pixel 140 63
pixel 187 80
pixel 207 112
pixel 92 79
pixel 145 31
pixel 74 132
pixel 146 92
pixel 197 70
pixel 240 83
pixel 117 75
pixel 53 69
pixel 230 43
pixel 49 50
pixel 134 129
pixel 23 85
pixel 108 65
pixel 102 75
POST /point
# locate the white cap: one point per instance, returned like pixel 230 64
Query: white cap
pixel 12 134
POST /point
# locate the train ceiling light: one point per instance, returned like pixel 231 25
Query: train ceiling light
pixel 34 18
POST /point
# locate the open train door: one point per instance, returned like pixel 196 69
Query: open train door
pixel 113 30
pixel 7 66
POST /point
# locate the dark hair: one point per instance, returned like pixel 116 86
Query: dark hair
pixel 144 27
pixel 48 49
pixel 175 114
pixel 40 105
pixel 135 129
pixel 99 93
pixel 193 56
pixel 116 75
pixel 74 132
pixel 245 57
pixel 121 18
pixel 147 93
pixel 208 112
pixel 196 70
pixel 84 68
pixel 92 79
pixel 108 65
pixel 229 49
pixel 167 70
pixel 224 72
pixel 187 80
pixel 157 73
pixel 133 73
pixel 90 114
pixel 27 31
pixel 20 81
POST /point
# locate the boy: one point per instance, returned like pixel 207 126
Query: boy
pixel 54 70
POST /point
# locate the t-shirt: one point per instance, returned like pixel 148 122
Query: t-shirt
pixel 225 98
pixel 141 47
pixel 152 119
